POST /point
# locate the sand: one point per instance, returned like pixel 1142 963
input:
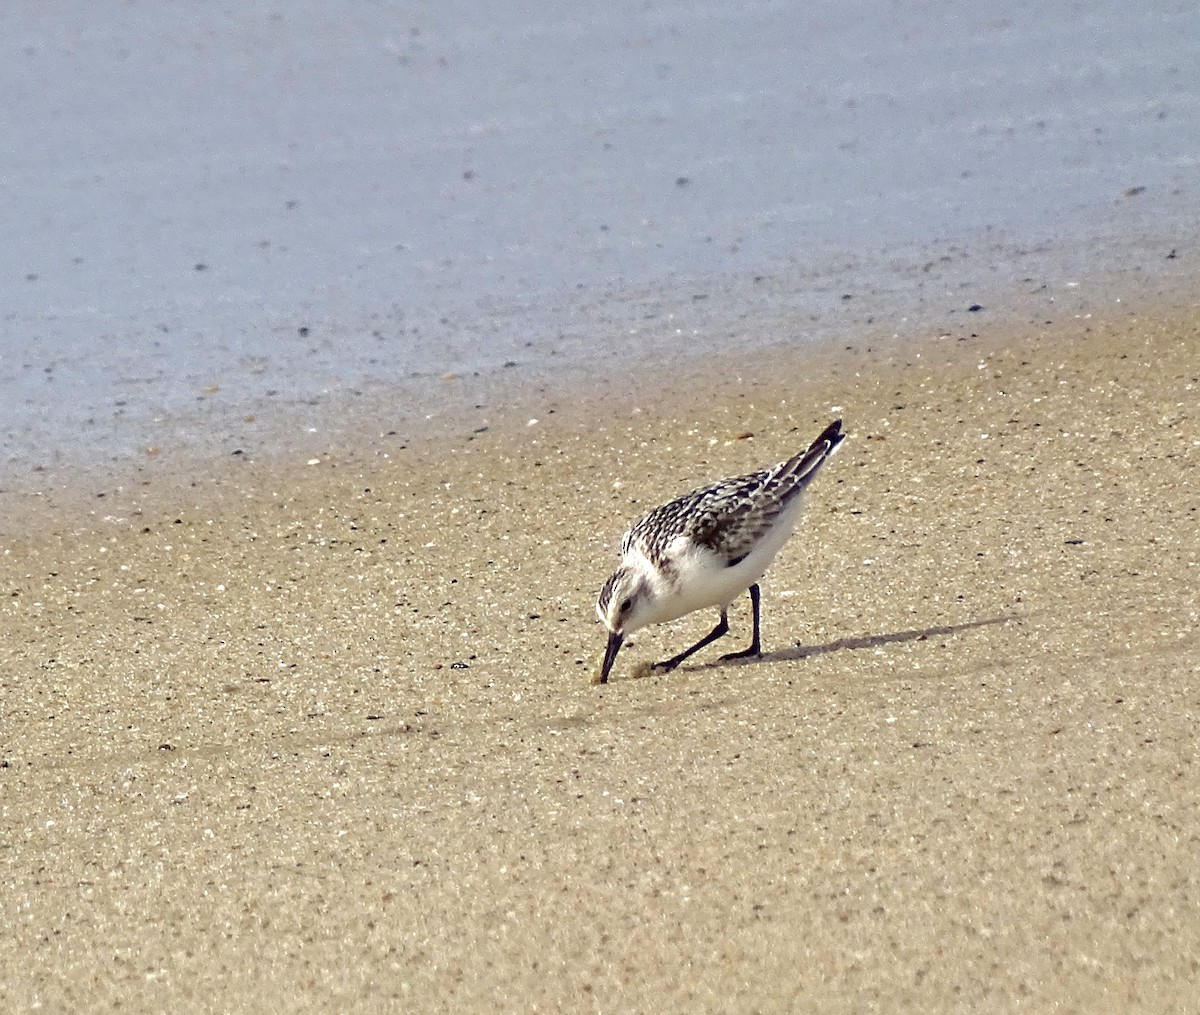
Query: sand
pixel 322 737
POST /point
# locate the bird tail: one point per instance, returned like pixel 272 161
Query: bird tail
pixel 799 471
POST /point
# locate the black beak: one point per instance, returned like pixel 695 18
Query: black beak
pixel 610 654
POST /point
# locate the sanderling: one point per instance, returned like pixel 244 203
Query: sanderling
pixel 703 549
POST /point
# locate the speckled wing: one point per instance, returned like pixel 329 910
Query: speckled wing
pixel 731 516
pixel 721 517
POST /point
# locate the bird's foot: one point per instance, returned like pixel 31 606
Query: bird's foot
pixel 753 652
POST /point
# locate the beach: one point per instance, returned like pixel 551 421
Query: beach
pixel 339 348
pixel 318 732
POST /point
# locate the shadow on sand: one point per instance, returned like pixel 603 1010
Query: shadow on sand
pixel 866 641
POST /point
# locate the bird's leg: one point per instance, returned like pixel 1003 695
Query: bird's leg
pixel 755 648
pixel 719 631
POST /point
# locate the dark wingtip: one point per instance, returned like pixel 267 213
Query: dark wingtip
pixel 798 472
pixel 831 435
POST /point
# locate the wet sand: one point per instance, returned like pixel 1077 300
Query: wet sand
pixel 318 737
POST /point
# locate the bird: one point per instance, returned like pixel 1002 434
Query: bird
pixel 702 550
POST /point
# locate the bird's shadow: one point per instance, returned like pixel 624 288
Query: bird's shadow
pixel 866 641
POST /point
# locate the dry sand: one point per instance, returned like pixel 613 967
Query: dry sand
pixel 321 738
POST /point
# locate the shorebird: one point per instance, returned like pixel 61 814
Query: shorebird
pixel 704 549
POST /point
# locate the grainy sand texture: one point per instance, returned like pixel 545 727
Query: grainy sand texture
pixel 322 737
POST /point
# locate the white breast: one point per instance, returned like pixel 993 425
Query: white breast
pixel 703 580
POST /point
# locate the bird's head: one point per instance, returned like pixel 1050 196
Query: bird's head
pixel 622 607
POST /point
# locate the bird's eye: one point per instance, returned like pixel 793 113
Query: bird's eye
pixel 626 605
